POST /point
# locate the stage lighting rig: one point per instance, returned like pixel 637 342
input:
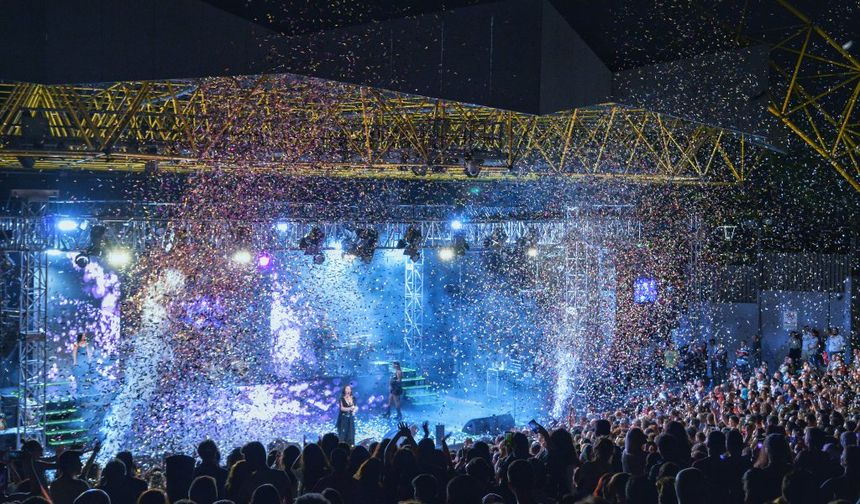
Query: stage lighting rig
pixel 312 243
pixel 364 244
pixel 119 257
pixel 82 260
pixel 264 260
pixel 96 247
pixel 496 240
pixel 446 253
pixel 66 225
pixel 411 243
pixel 242 256
pixel 460 246
pixel 97 240
pixel 471 166
pixel 6 263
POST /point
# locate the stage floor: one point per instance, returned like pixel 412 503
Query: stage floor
pixel 269 412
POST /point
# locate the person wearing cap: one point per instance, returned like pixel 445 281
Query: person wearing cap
pixel 68 486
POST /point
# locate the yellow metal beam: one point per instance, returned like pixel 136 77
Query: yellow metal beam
pixel 291 125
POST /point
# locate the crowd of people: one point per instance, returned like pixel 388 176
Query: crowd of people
pixel 753 436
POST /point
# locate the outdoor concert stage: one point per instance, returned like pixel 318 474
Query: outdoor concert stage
pixel 236 330
pixel 293 344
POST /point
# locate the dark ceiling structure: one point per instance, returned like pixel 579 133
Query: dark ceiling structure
pixel 531 56
pixel 711 63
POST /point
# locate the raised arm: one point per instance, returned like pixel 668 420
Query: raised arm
pixel 91 460
pixel 388 456
pixel 449 462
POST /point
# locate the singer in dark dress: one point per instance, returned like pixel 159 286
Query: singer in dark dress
pixel 395 390
pixel 346 417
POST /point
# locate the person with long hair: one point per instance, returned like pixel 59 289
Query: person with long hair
pixel 346 416
pixel 81 343
pixel 310 467
pixel 395 390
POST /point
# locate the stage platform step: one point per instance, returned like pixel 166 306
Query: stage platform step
pixel 64 424
pixel 60 412
pixel 63 432
pixel 417 390
pixel 71 441
pixel 64 421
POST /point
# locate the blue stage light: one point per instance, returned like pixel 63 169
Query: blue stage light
pixel 282 226
pixel 456 224
pixel 67 225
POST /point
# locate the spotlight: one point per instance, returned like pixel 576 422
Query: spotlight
pixel 337 246
pixel 497 239
pixel 54 252
pixel 446 253
pixel 67 225
pixel 456 224
pixel 472 167
pixel 97 239
pixel 460 246
pixel 27 162
pixel 264 260
pixel 242 256
pixel 364 244
pixel 411 243
pixel 420 170
pixel 311 243
pixel 119 257
pixel 527 244
pixel 82 260
pixel 282 226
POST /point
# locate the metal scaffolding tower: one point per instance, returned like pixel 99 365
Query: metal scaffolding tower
pixel 413 307
pixel 32 325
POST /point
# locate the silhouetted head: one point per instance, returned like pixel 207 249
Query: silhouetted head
pixel 254 454
pixel 203 490
pixel 691 487
pixel 208 451
pixel 266 494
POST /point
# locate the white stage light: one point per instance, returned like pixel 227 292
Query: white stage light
pixel 446 253
pixel 67 225
pixel 119 257
pixel 242 256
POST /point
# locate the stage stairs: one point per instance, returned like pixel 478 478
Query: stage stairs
pixel 417 389
pixel 63 424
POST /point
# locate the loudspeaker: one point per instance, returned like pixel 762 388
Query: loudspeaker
pixel 495 424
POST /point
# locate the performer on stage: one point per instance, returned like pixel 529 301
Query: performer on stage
pixel 81 343
pixel 346 417
pixel 395 390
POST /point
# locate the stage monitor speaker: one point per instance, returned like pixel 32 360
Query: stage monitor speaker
pixel 495 424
